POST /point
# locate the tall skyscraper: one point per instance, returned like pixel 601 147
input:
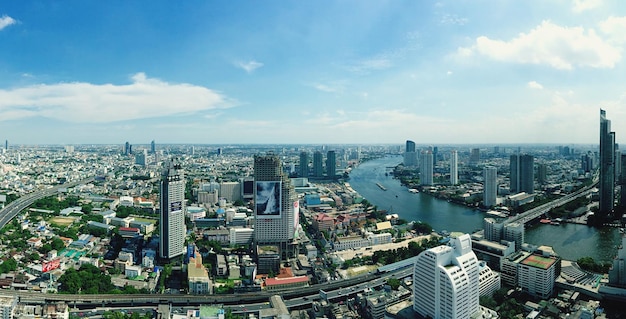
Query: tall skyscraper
pixel 607 167
pixel 304 164
pixel 142 158
pixel 6 145
pixel 435 154
pixel 152 147
pixel 275 202
pixel 410 155
pixel 522 173
pixel 318 164
pixel 446 281
pixel 331 164
pixel 622 182
pixel 490 187
pixel 426 168
pixel 454 167
pixel 172 204
pixel 127 149
pixel 542 173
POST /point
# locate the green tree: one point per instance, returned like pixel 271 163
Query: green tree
pixel 394 283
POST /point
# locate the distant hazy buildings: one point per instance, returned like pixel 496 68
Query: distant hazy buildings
pixel 474 156
pixel 410 155
pixel 446 281
pixel 152 147
pixel 607 167
pixel 127 149
pixel 426 168
pixel 454 167
pixel 542 173
pixel 142 158
pixel 522 173
pixel 490 187
pixel 275 206
pixel 172 205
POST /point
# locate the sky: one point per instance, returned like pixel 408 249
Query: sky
pixel 300 72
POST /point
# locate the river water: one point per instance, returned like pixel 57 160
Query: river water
pixel 570 241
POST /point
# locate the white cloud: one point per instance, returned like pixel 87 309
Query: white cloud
pixel 550 44
pixel 449 73
pixel 100 103
pixel 6 21
pixel 373 64
pixel 615 28
pixel 452 19
pixel 584 5
pixel 535 85
pixel 249 66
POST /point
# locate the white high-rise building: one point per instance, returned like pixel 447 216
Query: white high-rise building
pixel 454 167
pixel 172 204
pixel 446 281
pixel 426 168
pixel 490 187
pixel 275 201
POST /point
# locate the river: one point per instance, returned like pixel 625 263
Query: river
pixel 570 241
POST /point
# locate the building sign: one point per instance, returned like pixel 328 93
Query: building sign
pixel 51 265
pixel 174 206
pixel 268 198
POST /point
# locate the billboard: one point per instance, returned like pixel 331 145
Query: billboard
pixel 296 218
pixel 51 265
pixel 267 198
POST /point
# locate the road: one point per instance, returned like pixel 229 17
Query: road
pixel 15 207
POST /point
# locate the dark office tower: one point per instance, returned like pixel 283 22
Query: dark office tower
pixel 410 155
pixel 522 173
pixel 6 145
pixel 275 206
pixel 331 164
pixel 542 173
pixel 318 164
pixel 435 154
pixel 607 167
pixel 622 182
pixel 304 164
pixel 152 147
pixel 126 148
pixel 172 205
pixel 474 156
pixel 218 151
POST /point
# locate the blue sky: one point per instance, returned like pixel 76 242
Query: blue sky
pixel 214 72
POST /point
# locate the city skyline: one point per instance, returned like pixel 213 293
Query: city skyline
pixel 347 72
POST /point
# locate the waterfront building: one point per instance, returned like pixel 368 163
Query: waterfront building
pixel 318 166
pixel 172 207
pixel 492 252
pixel 454 167
pixel 446 281
pixel 617 273
pixel 493 229
pixel 410 155
pixel 514 232
pixel 426 168
pixel 607 167
pixel 331 164
pixel 274 206
pixel 537 274
pixel 490 186
pixel 522 173
pixel 304 164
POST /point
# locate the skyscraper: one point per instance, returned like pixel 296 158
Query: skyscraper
pixel 474 156
pixel 275 203
pixel 172 204
pixel 490 187
pixel 542 173
pixel 454 167
pixel 446 281
pixel 6 145
pixel 152 147
pixel 522 173
pixel 331 164
pixel 607 167
pixel 318 166
pixel 126 148
pixel 426 168
pixel 304 164
pixel 410 155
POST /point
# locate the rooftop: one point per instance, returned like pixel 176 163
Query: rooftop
pixel 538 261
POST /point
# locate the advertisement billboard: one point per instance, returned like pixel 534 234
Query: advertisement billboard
pixel 51 265
pixel 267 198
pixel 296 217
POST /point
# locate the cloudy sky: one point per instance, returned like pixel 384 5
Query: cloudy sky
pixel 535 71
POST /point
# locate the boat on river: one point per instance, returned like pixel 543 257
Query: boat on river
pixel 381 186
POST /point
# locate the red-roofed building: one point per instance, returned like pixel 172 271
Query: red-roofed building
pixel 284 283
pixel 129 232
pixel 322 222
